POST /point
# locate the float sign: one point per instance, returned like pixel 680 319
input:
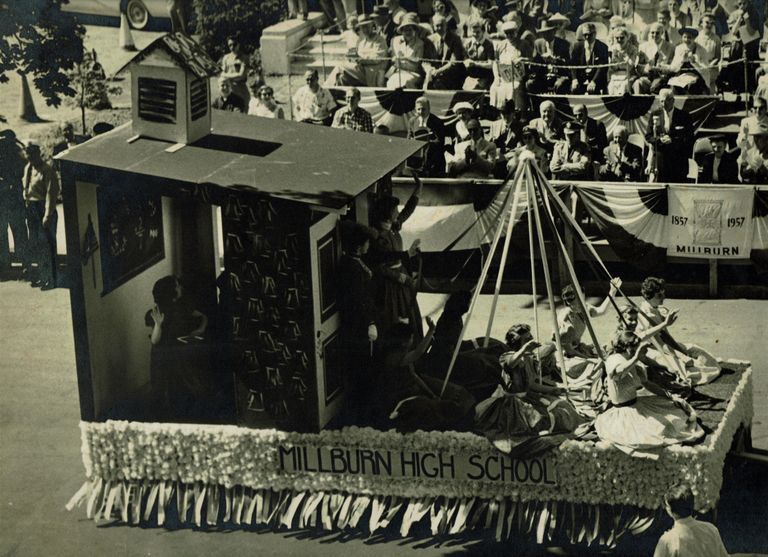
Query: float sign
pixel 710 222
pixel 426 465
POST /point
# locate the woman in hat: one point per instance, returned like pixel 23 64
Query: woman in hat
pixel 530 148
pixel 395 284
pixel 524 417
pixel 464 112
pixel 690 65
pixel 367 60
pixel 480 56
pixel 408 50
pixel 509 69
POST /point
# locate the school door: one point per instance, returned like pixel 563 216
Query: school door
pixel 325 250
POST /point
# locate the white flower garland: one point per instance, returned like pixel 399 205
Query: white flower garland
pixel 588 472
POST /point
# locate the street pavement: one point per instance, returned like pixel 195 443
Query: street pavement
pixel 41 468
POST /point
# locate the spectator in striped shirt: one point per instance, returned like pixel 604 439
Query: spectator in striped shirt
pixel 352 117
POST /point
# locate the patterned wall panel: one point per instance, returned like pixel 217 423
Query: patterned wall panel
pixel 266 247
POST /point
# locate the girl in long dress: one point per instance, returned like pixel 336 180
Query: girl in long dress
pixel 395 285
pixel 524 417
pixel 572 323
pixel 690 363
pixel 509 69
pixel 641 425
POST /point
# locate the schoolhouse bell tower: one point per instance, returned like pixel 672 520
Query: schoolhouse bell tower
pixel 170 92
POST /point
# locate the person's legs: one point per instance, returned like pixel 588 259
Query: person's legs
pixel 34 251
pixel 18 225
pixel 49 251
pixel 5 248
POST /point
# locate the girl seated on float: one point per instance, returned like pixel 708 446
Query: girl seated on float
pixel 523 417
pixel 410 401
pixel 690 363
pixel 636 424
pixel 572 323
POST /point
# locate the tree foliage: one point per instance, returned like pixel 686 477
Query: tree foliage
pixel 244 20
pixel 90 85
pixel 38 39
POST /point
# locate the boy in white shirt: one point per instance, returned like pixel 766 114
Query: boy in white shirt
pixel 688 537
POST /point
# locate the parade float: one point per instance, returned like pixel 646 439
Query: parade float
pixel 140 204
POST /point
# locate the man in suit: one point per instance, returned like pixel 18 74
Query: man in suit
pixel 430 128
pixel 587 53
pixel 670 139
pixel 659 52
pixel 475 157
pixel 548 125
pixel 719 166
pixel 592 132
pixel 571 159
pixel 623 161
pixel 554 52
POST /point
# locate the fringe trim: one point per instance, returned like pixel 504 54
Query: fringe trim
pixel 135 502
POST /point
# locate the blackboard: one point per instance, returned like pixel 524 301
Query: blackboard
pixel 130 233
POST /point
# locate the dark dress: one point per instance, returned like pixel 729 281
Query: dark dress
pixel 358 312
pixel 409 404
pixel 178 368
pixel 395 301
pixel 477 367
pixel 521 422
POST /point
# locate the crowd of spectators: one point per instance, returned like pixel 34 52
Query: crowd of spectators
pixel 531 47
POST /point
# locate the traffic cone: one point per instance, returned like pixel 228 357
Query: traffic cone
pixel 126 39
pixel 26 104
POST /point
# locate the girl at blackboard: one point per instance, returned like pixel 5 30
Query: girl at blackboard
pixel 178 358
pixel 173 319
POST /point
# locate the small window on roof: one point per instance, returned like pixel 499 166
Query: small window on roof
pixel 157 100
pixel 198 94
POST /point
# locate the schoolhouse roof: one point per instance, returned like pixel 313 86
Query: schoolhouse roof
pixel 184 51
pixel 315 165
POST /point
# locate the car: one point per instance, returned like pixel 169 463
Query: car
pixel 140 13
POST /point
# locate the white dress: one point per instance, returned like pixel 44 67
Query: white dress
pixel 692 366
pixel 640 425
pixel 508 84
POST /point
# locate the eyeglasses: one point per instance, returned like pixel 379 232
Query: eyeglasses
pixel 265 94
pixel 585 35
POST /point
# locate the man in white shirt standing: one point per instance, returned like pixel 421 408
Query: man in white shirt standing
pixel 688 537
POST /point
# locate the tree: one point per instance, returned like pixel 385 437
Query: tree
pixel 90 85
pixel 38 39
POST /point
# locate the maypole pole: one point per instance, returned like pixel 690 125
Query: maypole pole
pixel 504 252
pixel 533 280
pixel 545 264
pixel 479 287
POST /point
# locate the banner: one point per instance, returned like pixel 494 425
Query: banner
pixel 479 466
pixel 633 111
pixel 710 222
pixel 394 107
